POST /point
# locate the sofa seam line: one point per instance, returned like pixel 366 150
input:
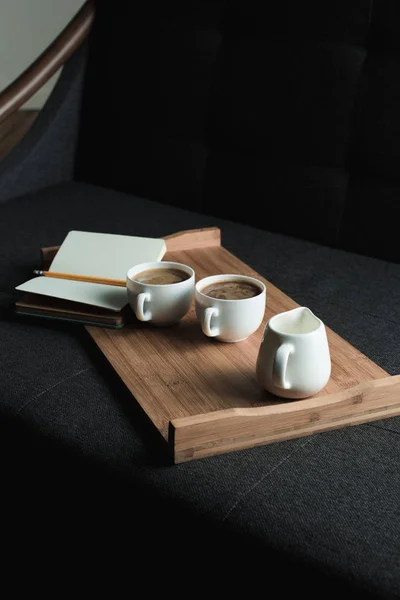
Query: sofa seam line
pixel 51 388
pixel 253 487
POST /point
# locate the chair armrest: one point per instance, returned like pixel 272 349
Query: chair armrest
pixel 40 71
pixel 46 154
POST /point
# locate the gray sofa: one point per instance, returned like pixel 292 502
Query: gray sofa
pixel 82 467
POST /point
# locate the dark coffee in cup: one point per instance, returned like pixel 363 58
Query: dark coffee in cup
pixel 161 276
pixel 231 290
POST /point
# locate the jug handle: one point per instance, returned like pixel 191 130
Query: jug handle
pixel 280 366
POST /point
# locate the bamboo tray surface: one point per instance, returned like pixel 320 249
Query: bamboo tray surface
pixel 203 395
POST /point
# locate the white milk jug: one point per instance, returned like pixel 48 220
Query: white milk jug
pixel 294 359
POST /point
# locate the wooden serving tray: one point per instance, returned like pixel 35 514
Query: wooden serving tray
pixel 203 396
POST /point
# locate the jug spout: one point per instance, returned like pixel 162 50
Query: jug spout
pixel 300 320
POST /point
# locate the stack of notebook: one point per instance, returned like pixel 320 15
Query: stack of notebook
pixel 83 253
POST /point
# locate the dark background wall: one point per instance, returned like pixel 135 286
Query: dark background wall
pixel 281 114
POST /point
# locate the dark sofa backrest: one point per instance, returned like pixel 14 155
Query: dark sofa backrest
pixel 281 114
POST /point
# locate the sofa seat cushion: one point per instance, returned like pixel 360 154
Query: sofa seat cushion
pixel 328 501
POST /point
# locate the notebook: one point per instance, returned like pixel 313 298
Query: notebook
pixel 94 254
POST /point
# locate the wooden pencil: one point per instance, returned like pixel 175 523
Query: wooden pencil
pixel 87 278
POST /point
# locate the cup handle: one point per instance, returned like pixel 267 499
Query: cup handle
pixel 206 324
pixel 142 315
pixel 280 366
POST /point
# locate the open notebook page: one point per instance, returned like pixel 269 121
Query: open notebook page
pixel 97 255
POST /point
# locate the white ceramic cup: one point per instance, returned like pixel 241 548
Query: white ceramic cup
pixel 160 304
pixel 229 320
pixel 294 358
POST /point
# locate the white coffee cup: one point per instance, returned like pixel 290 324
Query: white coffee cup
pixel 162 304
pixel 229 320
pixel 294 358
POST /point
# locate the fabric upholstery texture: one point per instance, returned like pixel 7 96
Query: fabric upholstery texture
pixel 327 503
pixel 284 118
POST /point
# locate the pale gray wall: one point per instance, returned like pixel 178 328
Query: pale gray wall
pixel 27 27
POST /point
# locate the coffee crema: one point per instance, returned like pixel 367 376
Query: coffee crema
pixel 231 290
pixel 161 276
